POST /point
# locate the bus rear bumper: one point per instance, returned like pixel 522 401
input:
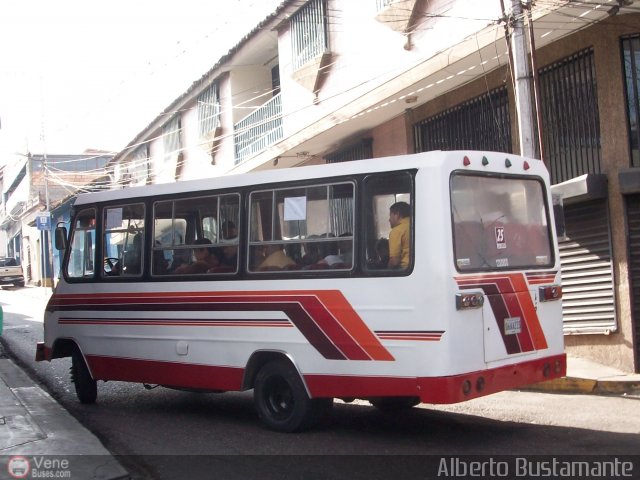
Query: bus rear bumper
pixel 442 390
pixel 459 388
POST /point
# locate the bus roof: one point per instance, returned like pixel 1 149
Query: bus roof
pixel 381 164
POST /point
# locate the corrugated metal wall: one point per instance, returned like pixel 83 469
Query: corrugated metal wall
pixel 588 304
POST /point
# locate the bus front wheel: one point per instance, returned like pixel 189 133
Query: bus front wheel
pixel 86 387
pixel 282 401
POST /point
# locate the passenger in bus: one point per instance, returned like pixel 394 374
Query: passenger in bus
pixel 160 263
pixel 343 254
pixel 229 230
pixel 228 254
pixel 381 260
pixel 312 251
pixel 205 259
pixel 276 258
pixel 400 235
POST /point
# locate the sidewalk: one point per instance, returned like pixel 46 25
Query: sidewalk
pixel 588 377
pixel 34 428
pixel 32 424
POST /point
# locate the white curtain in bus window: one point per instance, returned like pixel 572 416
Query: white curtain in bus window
pixel 82 244
pixel 499 223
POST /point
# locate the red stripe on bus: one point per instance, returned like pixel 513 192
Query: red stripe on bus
pixel 171 374
pixel 325 318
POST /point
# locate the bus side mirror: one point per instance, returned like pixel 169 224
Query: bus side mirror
pixel 60 238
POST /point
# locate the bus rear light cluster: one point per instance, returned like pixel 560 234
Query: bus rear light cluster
pixel 467 386
pixel 465 301
pixel 549 293
pixel 558 367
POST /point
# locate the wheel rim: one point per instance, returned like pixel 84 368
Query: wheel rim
pixel 278 398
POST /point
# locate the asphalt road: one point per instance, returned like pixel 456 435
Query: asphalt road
pixel 162 433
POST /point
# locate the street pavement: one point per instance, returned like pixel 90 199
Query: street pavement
pixel 35 429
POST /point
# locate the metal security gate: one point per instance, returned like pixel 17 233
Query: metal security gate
pixel 633 225
pixel 588 304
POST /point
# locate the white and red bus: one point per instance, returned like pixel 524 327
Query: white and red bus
pixel 296 298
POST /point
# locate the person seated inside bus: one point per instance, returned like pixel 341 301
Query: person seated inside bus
pixel 313 251
pixel 381 258
pixel 275 258
pixel 132 256
pixel 205 259
pixel 228 254
pixel 160 263
pixel 342 256
pixel 400 235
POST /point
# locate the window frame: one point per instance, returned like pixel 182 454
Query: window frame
pixel 300 270
pixel 519 267
pixel 195 232
pixel 309 28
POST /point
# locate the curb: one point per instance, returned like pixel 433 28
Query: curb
pixel 587 386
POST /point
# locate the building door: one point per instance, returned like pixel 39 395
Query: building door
pixel 633 226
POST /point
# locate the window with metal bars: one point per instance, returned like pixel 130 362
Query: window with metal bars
pixel 309 32
pixel 631 63
pixel 140 168
pixel 208 110
pixel 358 151
pixel 570 118
pixel 482 123
pixel 173 156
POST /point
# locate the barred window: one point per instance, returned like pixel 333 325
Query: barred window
pixel 171 138
pixel 570 118
pixel 309 32
pixel 358 151
pixel 209 110
pixel 631 60
pixel 140 166
pixel 482 123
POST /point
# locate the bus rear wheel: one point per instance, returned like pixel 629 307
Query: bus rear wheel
pixel 282 401
pixel 86 387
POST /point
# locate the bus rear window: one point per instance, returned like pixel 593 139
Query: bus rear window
pixel 499 223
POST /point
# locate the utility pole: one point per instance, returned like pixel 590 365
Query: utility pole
pixel 522 82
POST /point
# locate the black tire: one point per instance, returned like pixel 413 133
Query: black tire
pixel 86 387
pixel 282 401
pixel 394 404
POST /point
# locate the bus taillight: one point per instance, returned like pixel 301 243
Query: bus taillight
pixel 552 292
pixel 466 301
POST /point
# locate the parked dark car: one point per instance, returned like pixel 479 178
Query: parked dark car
pixel 11 272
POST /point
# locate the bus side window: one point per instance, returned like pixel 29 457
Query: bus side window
pixel 381 192
pixel 182 227
pixel 81 258
pixel 294 229
pixel 123 240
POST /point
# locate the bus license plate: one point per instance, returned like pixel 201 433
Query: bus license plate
pixel 512 326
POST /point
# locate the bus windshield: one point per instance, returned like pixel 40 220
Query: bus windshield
pixel 499 223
